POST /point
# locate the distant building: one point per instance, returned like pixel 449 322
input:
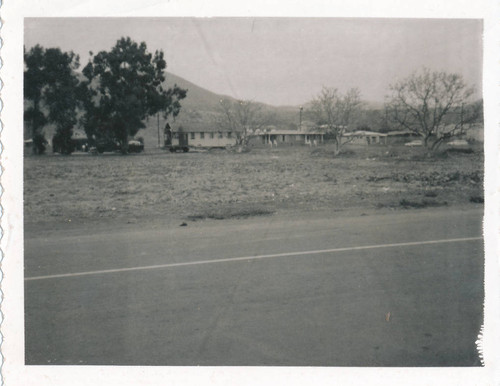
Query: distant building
pixel 400 136
pixel 203 135
pixel 210 136
pixel 476 132
pixel 473 131
pixel 289 137
pixel 362 137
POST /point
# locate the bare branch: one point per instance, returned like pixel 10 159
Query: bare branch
pixel 242 117
pixel 426 102
pixel 336 112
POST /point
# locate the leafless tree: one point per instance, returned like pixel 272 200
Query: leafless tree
pixel 433 105
pixel 336 111
pixel 241 117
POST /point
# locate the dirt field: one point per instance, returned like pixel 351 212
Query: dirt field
pixel 224 184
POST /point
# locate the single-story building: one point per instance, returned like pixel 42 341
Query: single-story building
pixel 201 135
pixel 362 137
pixel 401 136
pixel 474 131
pixel 289 137
pixel 209 136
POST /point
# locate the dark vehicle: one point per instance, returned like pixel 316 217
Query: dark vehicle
pixel 134 146
pixel 176 141
pixel 60 145
pixel 105 145
pixel 179 143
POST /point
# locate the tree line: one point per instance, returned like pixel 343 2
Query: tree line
pixel 111 97
pixel 432 105
pixel 118 89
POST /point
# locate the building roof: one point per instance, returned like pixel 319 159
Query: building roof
pixel 199 127
pixel 79 134
pixel 399 132
pixel 288 132
pixel 364 133
pixel 208 127
pixel 472 126
pixel 327 127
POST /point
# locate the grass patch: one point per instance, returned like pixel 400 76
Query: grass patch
pixel 222 184
pixel 378 178
pixel 329 152
pixel 231 213
pixel 407 204
pixel 459 150
pixel 477 199
pixel 426 155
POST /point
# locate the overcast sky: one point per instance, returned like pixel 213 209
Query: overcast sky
pixel 281 61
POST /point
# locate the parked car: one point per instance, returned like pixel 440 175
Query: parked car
pixel 458 142
pixel 104 145
pixel 417 142
pixel 135 146
pixel 177 142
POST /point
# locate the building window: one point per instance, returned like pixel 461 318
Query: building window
pixel 220 134
pixel 202 135
pixel 192 135
pixel 229 134
pixel 211 135
pixel 283 138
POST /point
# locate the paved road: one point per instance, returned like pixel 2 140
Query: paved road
pixel 265 291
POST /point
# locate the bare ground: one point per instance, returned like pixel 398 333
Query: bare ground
pixel 222 184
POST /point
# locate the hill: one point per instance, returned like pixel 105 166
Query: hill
pixel 197 97
pixel 200 108
pixel 200 101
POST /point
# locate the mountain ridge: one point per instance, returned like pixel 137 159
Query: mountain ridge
pixel 200 97
pixel 197 96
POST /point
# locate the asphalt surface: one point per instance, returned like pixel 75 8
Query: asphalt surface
pixel 318 290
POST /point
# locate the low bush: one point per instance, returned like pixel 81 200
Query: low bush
pixel 420 204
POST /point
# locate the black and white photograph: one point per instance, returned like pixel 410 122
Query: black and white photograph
pixel 268 192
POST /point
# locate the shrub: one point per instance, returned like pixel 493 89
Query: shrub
pixel 39 144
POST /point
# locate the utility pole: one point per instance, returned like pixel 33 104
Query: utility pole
pixel 158 121
pixel 300 118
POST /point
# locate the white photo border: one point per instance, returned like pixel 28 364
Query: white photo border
pixel 15 372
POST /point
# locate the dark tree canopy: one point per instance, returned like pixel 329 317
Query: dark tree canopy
pixel 122 88
pixel 433 105
pixel 50 88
